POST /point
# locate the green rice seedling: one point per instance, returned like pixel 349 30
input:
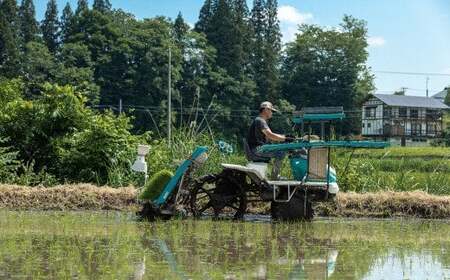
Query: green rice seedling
pixel 155 185
pixel 406 152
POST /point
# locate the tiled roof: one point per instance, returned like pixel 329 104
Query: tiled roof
pixel 411 101
pixel 441 95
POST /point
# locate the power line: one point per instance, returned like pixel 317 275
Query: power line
pixel 413 73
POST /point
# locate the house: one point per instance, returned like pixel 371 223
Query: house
pixel 441 95
pixel 403 120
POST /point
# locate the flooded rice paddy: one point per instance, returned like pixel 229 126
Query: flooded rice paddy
pixel 113 245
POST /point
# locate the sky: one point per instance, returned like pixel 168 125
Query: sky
pixel 411 36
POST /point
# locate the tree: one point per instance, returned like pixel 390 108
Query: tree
pixel 224 35
pixel 9 40
pixel 204 19
pixel 50 26
pixel 102 5
pixel 258 25
pixel 77 69
pixel 242 45
pixel 180 28
pixel 327 67
pixel 28 24
pixel 81 7
pixel 39 67
pixel 272 48
pixel 447 97
pixel 66 22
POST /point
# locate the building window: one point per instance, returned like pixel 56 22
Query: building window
pixel 387 112
pixel 363 125
pixel 431 128
pixel 370 112
pixel 432 114
pixel 416 128
pixel 402 112
pixel 369 125
pixel 414 113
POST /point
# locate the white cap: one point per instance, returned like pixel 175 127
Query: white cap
pixel 267 105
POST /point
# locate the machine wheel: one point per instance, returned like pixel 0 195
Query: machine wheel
pixel 219 194
pixel 297 209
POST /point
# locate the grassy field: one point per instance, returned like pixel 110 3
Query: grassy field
pixel 396 169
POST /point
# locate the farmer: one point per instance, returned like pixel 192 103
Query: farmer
pixel 260 134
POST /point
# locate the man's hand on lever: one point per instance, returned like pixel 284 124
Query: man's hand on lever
pixel 289 138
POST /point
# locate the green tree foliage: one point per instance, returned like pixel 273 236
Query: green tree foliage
pixel 9 165
pixel 106 143
pixel 66 22
pixel 266 45
pixel 272 50
pixel 82 6
pixel 77 69
pixel 221 35
pixel 180 28
pixel 447 98
pixel 326 67
pixel 205 16
pixel 55 132
pixel 102 5
pixel 50 26
pixel 9 39
pixel 242 45
pixel 258 25
pixel 28 25
pixel 39 67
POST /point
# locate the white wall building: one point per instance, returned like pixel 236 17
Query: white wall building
pixel 403 120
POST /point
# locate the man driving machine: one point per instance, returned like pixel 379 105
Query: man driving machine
pixel 260 134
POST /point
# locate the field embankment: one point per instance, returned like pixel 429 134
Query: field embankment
pixel 89 197
pixel 67 197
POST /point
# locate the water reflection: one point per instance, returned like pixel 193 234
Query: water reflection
pixel 113 245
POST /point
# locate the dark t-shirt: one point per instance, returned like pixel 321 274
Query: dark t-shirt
pixel 255 136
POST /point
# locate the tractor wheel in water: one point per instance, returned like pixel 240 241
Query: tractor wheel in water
pixel 297 209
pixel 219 194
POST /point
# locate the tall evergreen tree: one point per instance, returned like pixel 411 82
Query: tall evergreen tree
pixel 102 5
pixel 272 50
pixel 50 26
pixel 243 34
pixel 66 23
pixel 258 25
pixel 180 28
pixel 28 24
pixel 9 40
pixel 81 7
pixel 204 19
pixel 222 35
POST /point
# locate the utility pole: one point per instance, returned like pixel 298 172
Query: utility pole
pixel 428 78
pixel 120 106
pixel 169 118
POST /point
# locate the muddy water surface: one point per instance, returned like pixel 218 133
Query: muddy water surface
pixel 113 245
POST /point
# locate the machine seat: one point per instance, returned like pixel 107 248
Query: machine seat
pixel 251 156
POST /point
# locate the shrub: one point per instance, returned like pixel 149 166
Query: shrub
pixel 106 145
pixel 8 163
pixel 56 136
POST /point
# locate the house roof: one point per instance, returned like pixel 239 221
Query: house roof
pixel 411 101
pixel 441 95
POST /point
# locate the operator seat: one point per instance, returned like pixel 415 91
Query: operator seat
pixel 251 156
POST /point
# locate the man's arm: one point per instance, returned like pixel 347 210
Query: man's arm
pixel 273 136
